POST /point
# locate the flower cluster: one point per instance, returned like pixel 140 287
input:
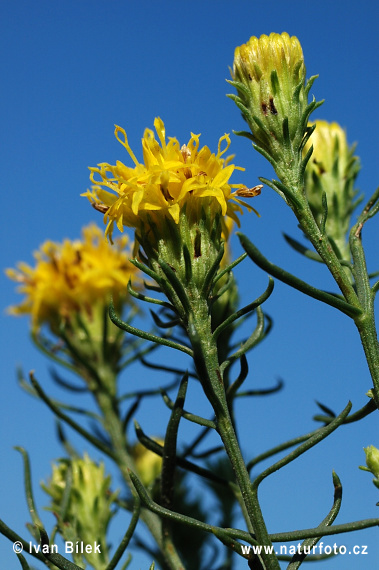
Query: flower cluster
pixel 73 276
pixel 171 180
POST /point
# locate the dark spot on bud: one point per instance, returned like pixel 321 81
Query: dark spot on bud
pixel 321 169
pixel 250 78
pixel 272 107
pixel 264 108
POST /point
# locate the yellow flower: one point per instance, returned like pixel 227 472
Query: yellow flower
pixel 72 276
pixel 258 58
pixel 172 179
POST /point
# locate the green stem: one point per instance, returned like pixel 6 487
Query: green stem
pixel 323 247
pixel 364 297
pixel 366 321
pixel 207 365
pixel 369 339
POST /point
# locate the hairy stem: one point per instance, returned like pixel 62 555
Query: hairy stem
pixel 206 360
pixel 363 297
pixel 366 322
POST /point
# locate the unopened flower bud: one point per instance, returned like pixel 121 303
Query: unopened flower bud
pixel 148 463
pixel 332 169
pixel 88 512
pixel 372 462
pixel 269 75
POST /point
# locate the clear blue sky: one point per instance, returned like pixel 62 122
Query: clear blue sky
pixel 70 71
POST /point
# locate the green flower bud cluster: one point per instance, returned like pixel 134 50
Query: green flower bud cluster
pixel 82 502
pixel 269 75
pixel 372 462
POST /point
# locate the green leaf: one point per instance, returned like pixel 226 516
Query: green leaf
pixel 28 488
pixel 295 282
pixel 142 334
pixel 297 246
pixel 126 538
pixel 142 297
pixel 251 307
pixel 313 440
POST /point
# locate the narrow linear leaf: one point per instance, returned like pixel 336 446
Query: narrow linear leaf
pixel 326 530
pixel 127 536
pixel 187 415
pixel 295 282
pixel 78 428
pixel 170 444
pixel 255 338
pixel 175 284
pixel 166 369
pixel 14 537
pixel 164 325
pixel 358 415
pixel 142 297
pixel 309 543
pixel 142 334
pixel 278 448
pixel 23 562
pixel 56 558
pixel 181 462
pixel 297 246
pixel 210 277
pixel 143 267
pixel 28 488
pixel 326 410
pixel 186 520
pixel 261 391
pixel 230 267
pixel 319 435
pixel 230 394
pixel 238 314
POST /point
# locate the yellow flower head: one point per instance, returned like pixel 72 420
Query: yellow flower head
pixel 258 58
pixel 171 178
pixel 72 276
